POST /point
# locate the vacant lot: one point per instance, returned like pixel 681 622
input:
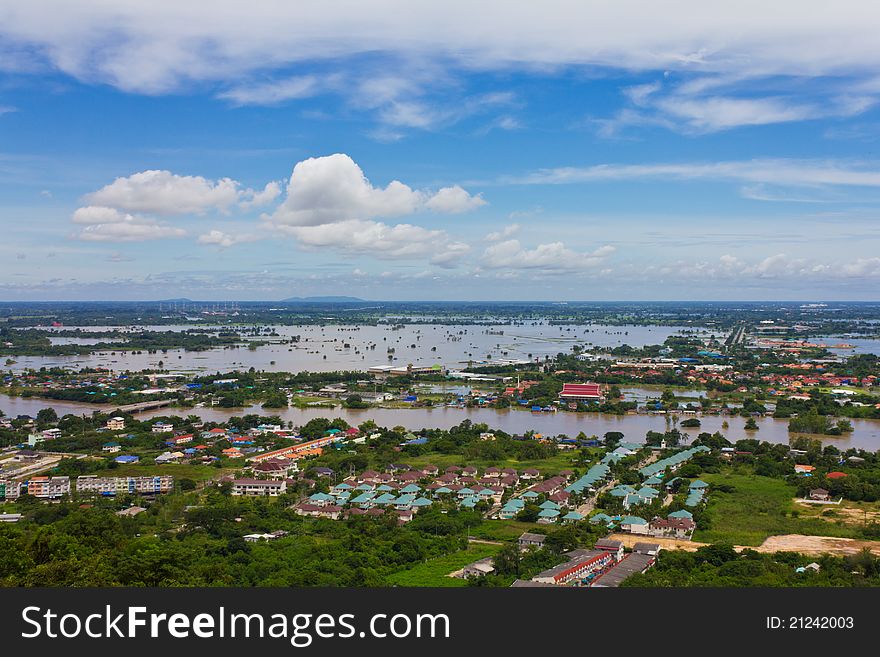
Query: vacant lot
pixel 814 545
pixel 759 507
pixel 855 514
pixel 177 470
pixel 436 571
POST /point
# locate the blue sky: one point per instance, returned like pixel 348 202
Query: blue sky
pixel 561 152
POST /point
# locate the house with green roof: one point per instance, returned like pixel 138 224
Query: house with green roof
pixel 602 518
pixel 548 515
pixel 572 516
pixel 549 505
pixel 634 525
pixel 682 514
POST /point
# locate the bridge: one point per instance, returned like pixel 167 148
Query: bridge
pixel 145 406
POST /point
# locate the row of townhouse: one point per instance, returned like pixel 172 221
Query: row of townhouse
pixel 301 450
pixel 148 485
pixel 259 487
pixel 48 488
pixel 9 489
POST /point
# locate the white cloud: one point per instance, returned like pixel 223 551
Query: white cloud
pixel 511 254
pixel 453 200
pixel 508 231
pixel 380 240
pixel 333 188
pixel 274 92
pixel 129 231
pixel 269 193
pixel 105 224
pixel 225 240
pixel 98 214
pixel 163 192
pixel 160 45
pixel 772 171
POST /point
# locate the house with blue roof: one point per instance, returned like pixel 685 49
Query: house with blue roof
pixel 548 515
pixel 634 525
pixel 572 516
pixel 385 498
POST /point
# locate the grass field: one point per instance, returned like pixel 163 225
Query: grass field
pixel 757 508
pixel 504 530
pixel 177 470
pixel 434 572
pixel 552 465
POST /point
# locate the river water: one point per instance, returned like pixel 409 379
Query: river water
pixel 866 434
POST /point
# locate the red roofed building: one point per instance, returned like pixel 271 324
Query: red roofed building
pixel 836 475
pixel 581 391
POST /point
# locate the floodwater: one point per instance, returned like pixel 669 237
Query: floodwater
pixel 358 347
pixel 866 434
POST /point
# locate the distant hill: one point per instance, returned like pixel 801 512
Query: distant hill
pixel 180 300
pixel 321 299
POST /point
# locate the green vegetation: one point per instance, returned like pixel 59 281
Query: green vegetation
pixel 744 509
pixel 721 566
pixel 435 572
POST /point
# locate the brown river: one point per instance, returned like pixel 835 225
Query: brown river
pixel 866 434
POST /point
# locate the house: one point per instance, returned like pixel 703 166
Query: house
pixel 26 455
pixel 232 453
pixel 111 447
pixel 478 568
pixel 673 527
pixel 804 469
pixel 612 546
pixel 820 494
pixel 580 392
pixel 634 525
pixel 652 549
pixel 127 459
pixel 131 511
pixel 162 427
pixel 258 487
pixel 548 516
pixel 330 511
pixel 836 475
pixel 169 457
pixel 276 468
pixel 529 540
pixel 116 424
pixel 10 517
pixel 180 439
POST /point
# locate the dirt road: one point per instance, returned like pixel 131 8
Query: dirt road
pixel 813 545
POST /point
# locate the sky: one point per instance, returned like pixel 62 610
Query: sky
pixel 393 150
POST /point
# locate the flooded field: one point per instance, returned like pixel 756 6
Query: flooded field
pixel 355 347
